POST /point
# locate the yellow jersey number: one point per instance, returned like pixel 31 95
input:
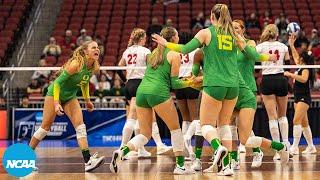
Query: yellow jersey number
pixel 224 42
pixel 84 80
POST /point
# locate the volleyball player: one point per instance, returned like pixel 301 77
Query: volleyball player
pixel 135 56
pixel 302 99
pixel 245 108
pixel 154 93
pixel 187 98
pixel 220 79
pixel 274 85
pixel 61 98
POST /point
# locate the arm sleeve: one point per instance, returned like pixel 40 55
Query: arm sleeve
pixel 56 84
pixel 184 49
pixel 177 83
pixel 195 69
pixel 253 54
pixel 85 91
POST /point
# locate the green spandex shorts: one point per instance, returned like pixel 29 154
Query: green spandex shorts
pixel 246 99
pixel 149 100
pixel 220 93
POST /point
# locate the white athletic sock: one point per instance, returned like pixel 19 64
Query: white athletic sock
pixel 127 131
pixel 185 126
pixel 296 135
pixel 191 130
pixel 308 135
pixel 156 135
pixel 274 130
pixel 284 128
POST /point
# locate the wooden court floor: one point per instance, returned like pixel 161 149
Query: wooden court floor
pixel 67 163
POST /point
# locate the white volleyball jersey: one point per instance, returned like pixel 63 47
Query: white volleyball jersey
pixel 277 48
pixel 186 64
pixel 135 56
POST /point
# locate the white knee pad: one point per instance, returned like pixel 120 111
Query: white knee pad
pixel 139 141
pixel 177 140
pixel 198 128
pixel 234 133
pixel 40 133
pixel 283 119
pixel 254 141
pixel 81 131
pixel 130 124
pixel 205 129
pixel 225 133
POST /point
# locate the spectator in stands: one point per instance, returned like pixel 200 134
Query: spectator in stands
pixel 168 23
pixel 105 81
pixel 207 22
pixel 314 39
pixel 265 19
pixel 316 84
pixel 155 27
pixel 252 21
pixel 282 23
pixel 2 103
pixel 302 40
pixel 52 49
pixel 83 37
pixel 34 87
pixel 25 102
pixel 69 41
pixel 198 22
pixel 41 76
pixel 117 90
pixel 98 39
pixel 101 93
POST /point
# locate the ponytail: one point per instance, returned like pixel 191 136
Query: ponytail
pixel 269 32
pixel 136 35
pixel 156 57
pixel 222 15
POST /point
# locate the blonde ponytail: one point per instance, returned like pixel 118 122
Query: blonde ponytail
pixel 269 32
pixel 155 58
pixel 136 35
pixel 224 21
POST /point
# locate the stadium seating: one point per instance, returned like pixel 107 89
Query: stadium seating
pixel 12 17
pixel 114 21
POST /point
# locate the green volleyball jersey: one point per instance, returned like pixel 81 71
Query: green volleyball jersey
pixel 157 81
pixel 246 68
pixel 70 87
pixel 220 60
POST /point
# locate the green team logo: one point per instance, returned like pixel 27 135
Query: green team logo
pixel 84 80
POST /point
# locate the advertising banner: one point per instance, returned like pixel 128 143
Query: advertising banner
pixel 102 124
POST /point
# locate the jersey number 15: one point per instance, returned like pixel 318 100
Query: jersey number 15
pixel 224 42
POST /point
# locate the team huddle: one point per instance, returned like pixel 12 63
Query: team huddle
pixel 214 67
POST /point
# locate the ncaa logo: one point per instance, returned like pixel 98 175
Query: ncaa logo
pixel 19 160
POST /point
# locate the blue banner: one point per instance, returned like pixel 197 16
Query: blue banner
pixel 102 125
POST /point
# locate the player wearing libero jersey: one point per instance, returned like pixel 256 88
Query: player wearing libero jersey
pixel 221 87
pixel 61 97
pixel 302 99
pixel 187 98
pixel 154 94
pixel 274 85
pixel 135 56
